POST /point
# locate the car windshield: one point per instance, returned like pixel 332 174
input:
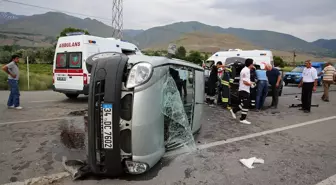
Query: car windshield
pixel 298 69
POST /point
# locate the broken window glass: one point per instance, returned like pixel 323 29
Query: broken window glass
pixel 178 132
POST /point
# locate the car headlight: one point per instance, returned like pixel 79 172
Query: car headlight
pixel 139 74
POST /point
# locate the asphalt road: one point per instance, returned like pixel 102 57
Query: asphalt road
pixel 301 152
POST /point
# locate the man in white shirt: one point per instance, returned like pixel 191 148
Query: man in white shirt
pixel 244 91
pixel 308 84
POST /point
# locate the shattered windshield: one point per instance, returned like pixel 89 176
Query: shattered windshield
pixel 178 126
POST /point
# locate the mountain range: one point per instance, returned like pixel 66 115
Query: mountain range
pixel 41 29
pixel 7 16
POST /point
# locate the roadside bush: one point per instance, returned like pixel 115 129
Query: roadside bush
pixel 3 81
pixel 36 81
pixel 37 68
pixel 5 57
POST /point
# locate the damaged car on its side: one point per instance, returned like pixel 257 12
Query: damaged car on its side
pixel 137 112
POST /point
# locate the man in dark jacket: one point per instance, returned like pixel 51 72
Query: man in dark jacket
pixel 274 79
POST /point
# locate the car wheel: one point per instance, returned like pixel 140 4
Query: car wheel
pixel 72 96
pixel 286 83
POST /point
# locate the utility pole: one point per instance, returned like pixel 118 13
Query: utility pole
pixel 294 56
pixel 117 19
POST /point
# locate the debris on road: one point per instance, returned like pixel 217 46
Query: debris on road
pixel 77 169
pixel 249 162
pixel 79 113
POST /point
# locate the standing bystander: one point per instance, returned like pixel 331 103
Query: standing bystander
pixel 262 87
pixel 274 79
pixel 328 74
pixel 13 72
pixel 308 84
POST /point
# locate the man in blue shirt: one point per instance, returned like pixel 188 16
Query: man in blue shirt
pixel 274 79
pixel 262 87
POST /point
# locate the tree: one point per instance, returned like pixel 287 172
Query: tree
pixel 70 29
pixel 46 55
pixel 206 56
pixel 5 57
pixel 8 48
pixel 181 52
pixel 195 57
pixel 278 61
pixel 31 54
pixel 19 52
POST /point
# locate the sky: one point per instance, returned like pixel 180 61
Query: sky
pixel 306 19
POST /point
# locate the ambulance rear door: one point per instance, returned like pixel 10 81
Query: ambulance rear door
pixel 68 63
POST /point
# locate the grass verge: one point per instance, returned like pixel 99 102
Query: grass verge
pixel 40 77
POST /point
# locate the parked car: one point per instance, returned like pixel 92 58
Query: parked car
pixel 295 76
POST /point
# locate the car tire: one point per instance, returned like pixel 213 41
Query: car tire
pixel 71 96
pixel 286 83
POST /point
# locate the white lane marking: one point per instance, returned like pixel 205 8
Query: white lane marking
pixel 222 142
pixel 329 181
pixel 42 180
pixel 36 120
pixel 43 101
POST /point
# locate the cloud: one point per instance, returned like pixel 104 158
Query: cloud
pixel 288 10
pixel 308 19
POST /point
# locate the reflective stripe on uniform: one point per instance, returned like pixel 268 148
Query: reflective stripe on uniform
pixel 226 83
pixel 225 100
pixel 231 80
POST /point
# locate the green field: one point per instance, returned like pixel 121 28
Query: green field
pixel 40 77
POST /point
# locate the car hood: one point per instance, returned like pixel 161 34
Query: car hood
pixel 293 73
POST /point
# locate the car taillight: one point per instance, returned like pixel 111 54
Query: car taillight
pixel 53 81
pixel 85 79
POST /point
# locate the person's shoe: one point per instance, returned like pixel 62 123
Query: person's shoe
pixel 326 100
pixel 233 114
pixel 18 108
pixel 245 122
pixel 11 107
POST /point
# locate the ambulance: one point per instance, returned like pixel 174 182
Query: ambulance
pixel 70 75
pixel 258 56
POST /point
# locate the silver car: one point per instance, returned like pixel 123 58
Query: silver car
pixel 137 113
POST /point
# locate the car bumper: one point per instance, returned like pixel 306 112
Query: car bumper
pixel 292 81
pixel 71 91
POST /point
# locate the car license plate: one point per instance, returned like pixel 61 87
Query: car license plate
pixel 107 126
pixel 289 78
pixel 61 78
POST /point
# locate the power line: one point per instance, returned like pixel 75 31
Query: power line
pixel 53 9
